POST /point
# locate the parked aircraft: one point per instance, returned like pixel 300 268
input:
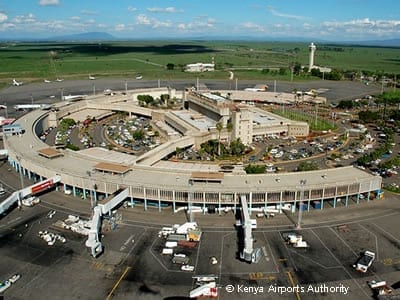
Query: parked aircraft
pixel 138 77
pixel 16 83
pixel 262 89
pixel 59 80
pixel 31 106
pixel 74 97
pixel 92 77
pixel 47 81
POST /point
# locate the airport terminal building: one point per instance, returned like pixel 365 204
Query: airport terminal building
pixel 151 184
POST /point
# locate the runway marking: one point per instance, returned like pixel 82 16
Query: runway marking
pixel 339 262
pixel 388 233
pixel 270 251
pixel 376 240
pixel 117 283
pixel 343 241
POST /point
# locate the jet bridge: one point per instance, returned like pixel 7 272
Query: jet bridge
pixel 249 254
pixel 93 241
pixel 17 196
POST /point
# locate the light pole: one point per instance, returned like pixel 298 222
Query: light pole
pixel 190 200
pixel 302 184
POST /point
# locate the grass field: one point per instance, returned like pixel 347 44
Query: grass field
pixel 317 124
pixel 37 61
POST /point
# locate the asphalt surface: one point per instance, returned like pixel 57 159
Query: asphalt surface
pixel 47 93
pixel 133 268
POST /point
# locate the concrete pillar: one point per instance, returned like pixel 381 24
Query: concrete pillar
pixel 219 203
pixel 144 198
pixel 334 202
pixel 84 193
pixel 347 200
pixel 204 203
pixel 173 201
pixel 74 191
pixel 159 200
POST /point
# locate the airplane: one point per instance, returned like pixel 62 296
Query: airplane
pixel 31 106
pixel 262 89
pixel 74 97
pixel 231 75
pixel 47 81
pixel 16 83
pixel 139 77
pixel 3 107
pixel 91 77
pixel 59 80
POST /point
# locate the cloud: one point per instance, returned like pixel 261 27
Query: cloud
pixel 119 27
pixel 252 27
pixel 200 24
pixel 3 17
pixel 88 12
pixel 363 27
pixel 283 15
pixel 170 9
pixel 131 8
pixel 143 20
pixel 151 22
pixel 49 2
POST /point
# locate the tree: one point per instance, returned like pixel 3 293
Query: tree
pixel 170 66
pixel 229 127
pixel 237 148
pixel 219 128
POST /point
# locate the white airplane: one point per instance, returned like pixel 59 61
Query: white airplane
pixel 16 83
pixel 74 97
pixel 139 77
pixel 92 77
pixel 231 75
pixel 59 80
pixel 262 89
pixel 47 81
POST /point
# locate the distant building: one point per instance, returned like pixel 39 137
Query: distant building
pixel 200 67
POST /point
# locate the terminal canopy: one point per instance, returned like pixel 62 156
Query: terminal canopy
pixel 49 153
pixel 207 177
pixel 112 168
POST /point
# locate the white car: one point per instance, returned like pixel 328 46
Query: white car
pixel 187 268
pixel 14 278
pixel 51 214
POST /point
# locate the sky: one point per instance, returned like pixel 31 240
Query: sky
pixel 331 20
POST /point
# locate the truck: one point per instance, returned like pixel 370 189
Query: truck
pixel 180 259
pixel 365 261
pixel 177 237
pixel 30 201
pixel 193 235
pixel 187 244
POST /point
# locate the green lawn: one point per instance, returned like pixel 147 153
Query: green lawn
pixel 36 61
pixel 318 124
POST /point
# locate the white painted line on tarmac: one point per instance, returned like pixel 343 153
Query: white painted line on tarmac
pixel 345 270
